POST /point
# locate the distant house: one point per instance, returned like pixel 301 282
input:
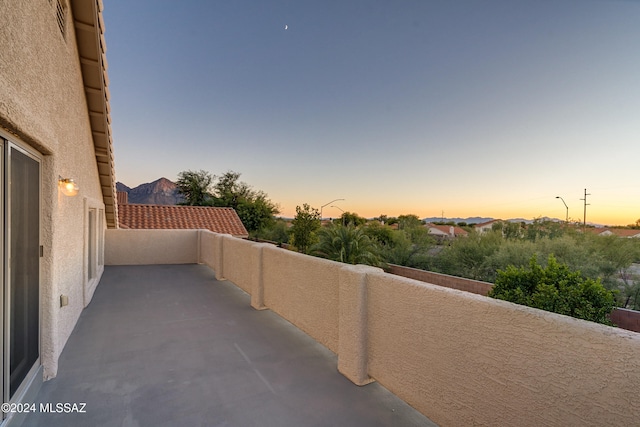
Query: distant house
pixel 486 226
pixel 625 232
pixel 446 231
pixel 598 231
pixel 620 232
pixel 218 220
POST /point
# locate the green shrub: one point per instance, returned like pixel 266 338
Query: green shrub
pixel 555 288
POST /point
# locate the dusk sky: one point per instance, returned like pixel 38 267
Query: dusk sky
pixel 468 108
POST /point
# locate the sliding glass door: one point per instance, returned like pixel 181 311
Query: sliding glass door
pixel 20 266
pixel 23 289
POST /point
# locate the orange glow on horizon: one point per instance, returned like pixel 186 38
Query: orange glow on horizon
pixel 600 217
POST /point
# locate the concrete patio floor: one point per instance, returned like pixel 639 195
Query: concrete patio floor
pixel 169 345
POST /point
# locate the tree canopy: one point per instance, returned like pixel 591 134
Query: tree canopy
pixel 348 244
pixel 304 226
pixel 254 208
pixel 555 288
pixel 196 187
pixel 350 218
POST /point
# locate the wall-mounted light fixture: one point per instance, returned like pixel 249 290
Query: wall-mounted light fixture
pixel 68 186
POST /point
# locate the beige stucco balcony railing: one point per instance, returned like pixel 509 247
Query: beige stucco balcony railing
pixel 459 358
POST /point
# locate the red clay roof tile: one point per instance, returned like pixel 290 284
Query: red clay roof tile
pixel 218 220
pixel 123 197
pixel 446 229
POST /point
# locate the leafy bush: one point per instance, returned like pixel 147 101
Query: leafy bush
pixel 604 258
pixel 467 257
pixel 555 288
pixel 304 226
pixel 346 244
pixel 277 232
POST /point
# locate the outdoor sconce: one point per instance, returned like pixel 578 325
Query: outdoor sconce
pixel 68 186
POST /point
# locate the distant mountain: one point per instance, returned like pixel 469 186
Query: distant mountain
pixel 531 221
pixel 121 187
pixel 470 220
pixel 158 192
pixel 480 220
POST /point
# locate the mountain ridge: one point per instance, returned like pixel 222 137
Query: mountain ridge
pixel 469 220
pixel 159 192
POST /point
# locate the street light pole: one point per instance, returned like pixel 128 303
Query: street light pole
pixel 327 204
pixel 565 205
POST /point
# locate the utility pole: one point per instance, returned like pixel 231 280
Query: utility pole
pixel 584 221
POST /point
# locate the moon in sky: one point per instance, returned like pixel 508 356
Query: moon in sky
pixel 286 27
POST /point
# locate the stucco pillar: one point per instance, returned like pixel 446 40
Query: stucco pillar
pixel 199 247
pixel 257 282
pixel 352 328
pixel 218 260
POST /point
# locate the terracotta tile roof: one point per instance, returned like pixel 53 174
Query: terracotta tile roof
pixel 625 232
pixel 620 232
pixel 596 230
pixel 123 198
pixel 219 220
pixel 446 229
pixel 486 224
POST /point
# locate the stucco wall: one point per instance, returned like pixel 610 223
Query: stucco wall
pixel 300 288
pixel 622 318
pixel 627 319
pixel 140 247
pixel 43 107
pixel 303 290
pixel 237 262
pixel 468 285
pixel 464 359
pixel 209 251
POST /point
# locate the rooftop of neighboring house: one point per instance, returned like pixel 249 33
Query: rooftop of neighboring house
pixel 625 232
pixel 487 224
pixel 620 232
pixel 218 220
pixel 446 229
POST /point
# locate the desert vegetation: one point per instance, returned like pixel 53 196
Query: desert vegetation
pixel 567 269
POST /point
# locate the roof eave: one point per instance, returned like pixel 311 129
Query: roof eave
pixel 89 27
